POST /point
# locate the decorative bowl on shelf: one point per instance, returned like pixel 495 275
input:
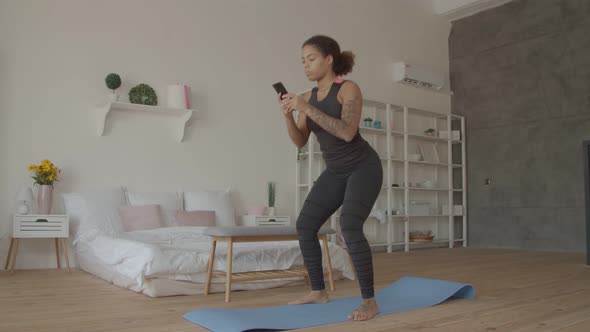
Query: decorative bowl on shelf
pixel 427 184
pixel 421 236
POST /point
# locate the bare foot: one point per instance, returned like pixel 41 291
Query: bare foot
pixel 367 310
pixel 313 297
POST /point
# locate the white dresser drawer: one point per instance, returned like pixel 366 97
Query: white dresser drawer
pixel 251 220
pixel 41 226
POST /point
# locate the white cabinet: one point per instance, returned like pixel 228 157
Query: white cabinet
pixel 36 226
pixel 40 226
pixel 423 170
pixel 252 220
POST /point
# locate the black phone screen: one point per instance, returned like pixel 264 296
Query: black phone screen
pixel 280 88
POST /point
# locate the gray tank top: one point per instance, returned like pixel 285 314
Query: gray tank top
pixel 340 156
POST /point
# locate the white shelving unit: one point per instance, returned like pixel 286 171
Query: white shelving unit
pixel 434 182
pixel 99 115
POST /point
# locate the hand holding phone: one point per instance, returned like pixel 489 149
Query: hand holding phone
pixel 280 88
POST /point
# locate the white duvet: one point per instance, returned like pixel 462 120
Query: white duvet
pixel 182 253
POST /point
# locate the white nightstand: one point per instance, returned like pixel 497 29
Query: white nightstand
pixel 38 226
pixel 253 220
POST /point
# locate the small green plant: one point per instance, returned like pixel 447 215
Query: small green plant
pixel 430 132
pixel 113 81
pixel 143 94
pixel 271 194
pixel 300 154
pixel 368 119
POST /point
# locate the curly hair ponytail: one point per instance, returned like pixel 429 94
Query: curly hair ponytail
pixel 343 61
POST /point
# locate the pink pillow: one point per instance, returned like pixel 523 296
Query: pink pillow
pixel 195 218
pixel 135 218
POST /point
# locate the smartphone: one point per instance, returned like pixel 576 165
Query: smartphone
pixel 280 88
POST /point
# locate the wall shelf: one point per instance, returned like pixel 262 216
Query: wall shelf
pixel 99 115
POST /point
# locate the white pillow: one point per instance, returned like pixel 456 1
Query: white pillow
pixel 94 212
pixel 169 203
pixel 216 200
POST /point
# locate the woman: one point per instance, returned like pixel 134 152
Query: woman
pixel 353 176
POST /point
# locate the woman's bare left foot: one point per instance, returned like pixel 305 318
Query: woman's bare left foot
pixel 367 310
pixel 313 297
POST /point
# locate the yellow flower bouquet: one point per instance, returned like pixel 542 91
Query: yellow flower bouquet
pixel 45 173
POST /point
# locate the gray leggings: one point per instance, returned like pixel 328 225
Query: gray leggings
pixel 356 193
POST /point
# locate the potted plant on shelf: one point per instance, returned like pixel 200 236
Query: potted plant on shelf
pixel 429 132
pixel 113 82
pixel 301 155
pixel 271 199
pixel 143 94
pixel 368 121
pixel 45 174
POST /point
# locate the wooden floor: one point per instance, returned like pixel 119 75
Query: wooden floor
pixel 515 291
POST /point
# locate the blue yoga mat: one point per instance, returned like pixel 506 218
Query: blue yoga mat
pixel 408 293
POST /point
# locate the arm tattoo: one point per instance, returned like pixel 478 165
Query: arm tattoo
pixel 348 111
pixel 336 127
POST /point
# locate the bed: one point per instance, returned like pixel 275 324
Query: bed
pixel 172 260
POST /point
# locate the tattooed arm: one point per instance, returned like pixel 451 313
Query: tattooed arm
pixel 346 127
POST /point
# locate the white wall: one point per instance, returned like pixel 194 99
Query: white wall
pixel 54 56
